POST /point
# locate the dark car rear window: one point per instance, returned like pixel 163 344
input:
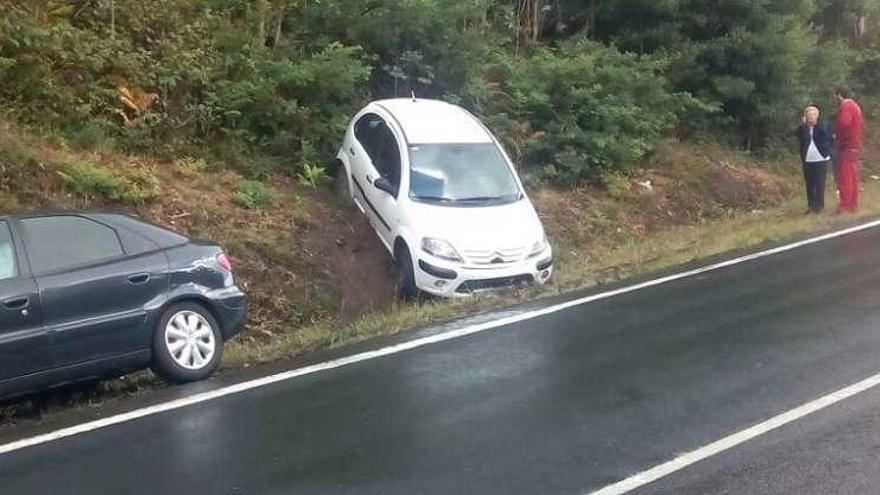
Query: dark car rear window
pixel 60 242
pixel 154 234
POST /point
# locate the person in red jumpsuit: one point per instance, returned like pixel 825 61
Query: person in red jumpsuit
pixel 848 133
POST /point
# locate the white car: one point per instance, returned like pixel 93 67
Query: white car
pixel 443 197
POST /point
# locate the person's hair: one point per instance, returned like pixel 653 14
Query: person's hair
pixel 811 108
pixel 844 92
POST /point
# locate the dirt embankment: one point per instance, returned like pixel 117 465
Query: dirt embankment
pixel 687 185
pixel 301 260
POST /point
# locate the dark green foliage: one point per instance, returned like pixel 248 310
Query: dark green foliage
pixel 213 78
pixel 133 186
pixel 571 112
pixel 254 195
pixel 262 84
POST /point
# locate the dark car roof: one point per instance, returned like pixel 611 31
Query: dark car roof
pixel 161 236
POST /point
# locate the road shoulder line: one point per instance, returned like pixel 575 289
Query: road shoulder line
pixel 662 470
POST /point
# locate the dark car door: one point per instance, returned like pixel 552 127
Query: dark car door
pixel 95 295
pixel 24 345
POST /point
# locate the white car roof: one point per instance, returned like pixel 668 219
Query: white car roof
pixel 434 121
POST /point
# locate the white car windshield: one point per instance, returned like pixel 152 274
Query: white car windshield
pixel 463 173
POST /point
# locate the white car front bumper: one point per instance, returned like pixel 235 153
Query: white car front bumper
pixel 454 279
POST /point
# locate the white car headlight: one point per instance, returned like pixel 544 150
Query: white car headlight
pixel 440 249
pixel 538 247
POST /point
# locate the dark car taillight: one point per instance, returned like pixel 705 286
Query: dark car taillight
pixel 223 260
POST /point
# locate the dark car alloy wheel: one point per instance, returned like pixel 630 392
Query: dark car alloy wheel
pixel 187 344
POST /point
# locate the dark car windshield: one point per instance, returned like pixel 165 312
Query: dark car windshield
pixel 461 173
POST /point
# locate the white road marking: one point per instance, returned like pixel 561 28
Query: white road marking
pixel 405 346
pixel 685 460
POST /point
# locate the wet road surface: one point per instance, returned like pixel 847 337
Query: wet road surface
pixel 563 403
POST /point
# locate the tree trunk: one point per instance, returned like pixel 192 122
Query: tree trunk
pixel 528 22
pixel 861 28
pixel 261 26
pixel 278 26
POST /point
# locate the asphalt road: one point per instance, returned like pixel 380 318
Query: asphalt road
pixel 563 403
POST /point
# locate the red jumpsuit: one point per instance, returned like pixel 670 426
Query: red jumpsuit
pixel 849 131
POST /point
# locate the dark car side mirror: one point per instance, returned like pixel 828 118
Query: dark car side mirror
pixel 384 185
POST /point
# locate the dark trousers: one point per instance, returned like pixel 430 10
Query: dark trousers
pixel 814 176
pixel 835 162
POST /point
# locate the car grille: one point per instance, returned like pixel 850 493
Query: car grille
pixel 493 257
pixel 471 286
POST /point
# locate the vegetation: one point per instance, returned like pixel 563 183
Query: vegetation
pixel 135 185
pixel 579 109
pixel 575 87
pixel 254 195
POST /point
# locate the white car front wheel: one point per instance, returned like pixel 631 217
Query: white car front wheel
pixel 342 187
pixel 405 280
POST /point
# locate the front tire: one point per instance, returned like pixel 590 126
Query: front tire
pixel 187 344
pixel 405 281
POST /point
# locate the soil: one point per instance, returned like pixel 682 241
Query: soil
pixel 689 186
pixel 353 258
pixel 303 259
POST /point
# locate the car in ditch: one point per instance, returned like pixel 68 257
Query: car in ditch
pixel 443 197
pixel 89 295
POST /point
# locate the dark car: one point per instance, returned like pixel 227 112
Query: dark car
pixel 86 295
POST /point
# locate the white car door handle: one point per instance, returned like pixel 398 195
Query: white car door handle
pixel 351 151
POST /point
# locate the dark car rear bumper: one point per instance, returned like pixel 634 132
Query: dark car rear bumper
pixel 230 309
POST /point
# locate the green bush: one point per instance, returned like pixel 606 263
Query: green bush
pixel 134 186
pixel 254 82
pixel 570 113
pixel 867 71
pixel 189 168
pixel 281 101
pixel 616 184
pixel 254 195
pixel 211 77
pixel 140 185
pixel 312 174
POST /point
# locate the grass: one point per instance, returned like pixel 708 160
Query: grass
pixel 131 186
pixel 326 334
pixel 254 195
pixel 39 171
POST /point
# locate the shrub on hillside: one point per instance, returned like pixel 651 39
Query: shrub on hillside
pixel 134 185
pixel 173 77
pixel 254 195
pixel 280 102
pixel 762 76
pixel 570 113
